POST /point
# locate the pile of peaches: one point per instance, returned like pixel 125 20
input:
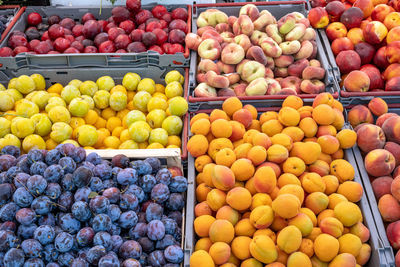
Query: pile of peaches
pixel 275 189
pixel 379 142
pixel 255 54
pixel 365 40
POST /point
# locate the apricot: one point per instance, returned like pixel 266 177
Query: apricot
pixel 364 255
pixel 329 144
pixel 229 214
pixel 220 252
pixel 335 199
pixel 239 198
pixel 218 114
pixel 326 247
pixel 218 144
pixel 242 150
pixel 221 128
pixel 298 259
pixel 310 215
pixel 347 138
pixel 331 226
pixel 222 177
pixel 260 199
pixel 348 213
pixel 251 263
pixel 202 225
pixel 312 182
pixel 287 178
pixel 307 247
pixel 326 130
pixel 241 247
pixel 198 117
pixel 317 202
pixel 262 217
pixel 248 135
pixel 201 161
pixel 289 239
pixel 342 169
pixel 353 191
pixel 293 102
pixel 257 155
pixel 286 205
pixel 202 208
pixel 271 127
pixel 244 227
pixel 243 169
pixel 295 133
pixel 264 180
pixel 201 258
pixel 275 264
pixel 289 116
pixel 303 223
pixel 202 191
pixel 238 131
pixel 261 139
pixel 323 114
pixel 231 105
pixel 309 152
pixel 221 231
pixel 197 145
pixel 314 233
pixel 293 189
pixel 267 232
pixel 309 127
pixel 343 260
pixel 249 185
pixel 319 166
pixel 263 249
pixel 201 126
pixel 225 157
pixel 203 244
pixel 216 199
pixel 207 174
pixel 277 153
pixel 269 115
pixel 349 243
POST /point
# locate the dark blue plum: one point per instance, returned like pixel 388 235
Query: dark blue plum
pixel 154 211
pixel 8 240
pixel 81 176
pixel 11 150
pixel 103 171
pixel 26 231
pixel 66 149
pixel 20 179
pixel 170 225
pixel 102 239
pixel 115 172
pixel 173 254
pixel 93 158
pixel 25 216
pixel 45 234
pixel 38 168
pixel 114 212
pixel 99 204
pixel 8 211
pixel 112 194
pixel 50 253
pixel 131 263
pixel 96 184
pixel 128 202
pixel 128 219
pixel 130 249
pixel 52 157
pixel 155 230
pixel 48 219
pixel 115 230
pixel 53 173
pixel 12 172
pixel 53 191
pixel 178 184
pixel 142 167
pixel 127 176
pixel 14 258
pixel 69 224
pixel 52 264
pixel 82 253
pixel 64 242
pixel 36 184
pixel 139 231
pixel 143 259
pixel 67 183
pixel 41 205
pixel 156 259
pixel 147 182
pixel 167 240
pixel 109 183
pixel 79 262
pixel 160 193
pixel 80 210
pixel 154 163
pixel 82 194
pixel 109 261
pixel 164 176
pixel 34 262
pixel 4 178
pixel 35 155
pixel 24 164
pixel 94 254
pixel 176 216
pixel 68 164
pixel 146 244
pixel 22 197
pixel 78 154
pixel 65 259
pixel 137 191
pixel 116 241
pixel 101 222
pixel 31 248
pixel 6 192
pixel 176 201
pixel 85 236
pixel 65 201
pixel 8 226
pixel 120 161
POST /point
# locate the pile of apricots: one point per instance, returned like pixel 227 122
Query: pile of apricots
pixel 275 190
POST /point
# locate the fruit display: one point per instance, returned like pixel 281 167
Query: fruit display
pixel 275 189
pixel 137 113
pixel 365 42
pixel 378 140
pixel 254 54
pixel 129 29
pixel 63 208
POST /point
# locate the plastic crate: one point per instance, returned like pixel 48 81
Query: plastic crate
pixel 354 98
pixel 10 10
pixel 99 60
pixel 381 252
pixel 278 9
pixel 66 75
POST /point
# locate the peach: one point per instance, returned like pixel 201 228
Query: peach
pixel 303 223
pixel 270 47
pixel 312 86
pixel 307 50
pixel 209 49
pixel 258 86
pixel 265 180
pixel 392 20
pixel 393 35
pixel 379 162
pixel 263 249
pixel 243 25
pixel 250 10
pixel 286 206
pixel 296 33
pixel 192 41
pixel 393 70
pixel 393 84
pixel 359 114
pixel 228 213
pixel 244 228
pixel 343 260
pixel 357 81
pixel 221 231
pixel 262 217
pixel 381 11
pixel 283 61
pixel 370 137
pixel 296 69
pixel 352 17
pixel 291 82
pixel 232 54
pixel 216 199
pixel 341 44
pixel 347 213
pixel 375 32
pixel 394 148
pixel 273 32
pixel 317 202
pixel 211 17
pixel 204 90
pixel 318 17
pixel 366 52
pixel 348 61
pixel 336 30
pixel 380 59
pixel 243 41
pixel 392 52
pixel 331 226
pixel 240 247
pixel 376 81
pixel 289 239
pixel 395 188
pixel 381 186
pixel 326 247
pixel 286 23
pixel 392 233
pixel 366 6
pixel 263 20
pixel 309 35
pixel 215 80
pixel 356 35
pixel 257 54
pixel 252 70
pixel 335 10
pixel 211 34
pixel 310 73
pixel 227 37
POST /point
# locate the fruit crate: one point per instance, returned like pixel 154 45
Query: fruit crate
pixel 367 183
pixel 354 98
pixel 277 9
pixel 168 158
pixel 63 76
pixel 381 251
pixel 10 10
pixel 100 60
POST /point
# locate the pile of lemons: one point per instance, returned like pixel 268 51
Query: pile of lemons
pixel 136 114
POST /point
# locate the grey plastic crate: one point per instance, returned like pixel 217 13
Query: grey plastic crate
pixel 381 252
pixel 100 60
pixel 13 13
